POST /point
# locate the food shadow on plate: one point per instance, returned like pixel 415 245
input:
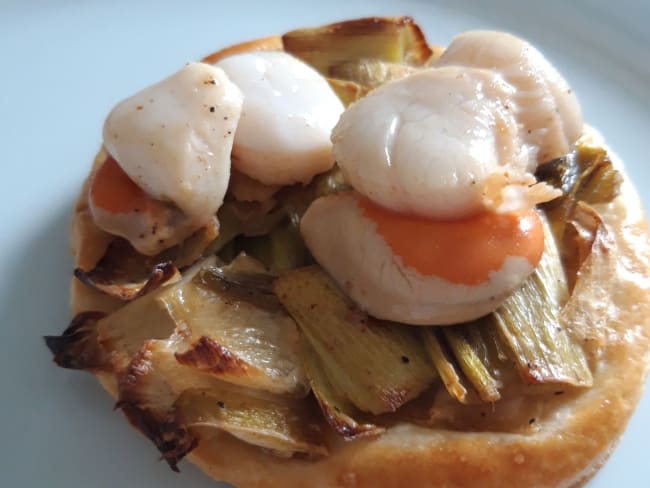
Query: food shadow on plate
pixel 82 437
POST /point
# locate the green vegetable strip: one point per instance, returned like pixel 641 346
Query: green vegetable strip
pixel 528 324
pixel 278 424
pixel 337 410
pixel 444 364
pixel 377 365
pixel 471 365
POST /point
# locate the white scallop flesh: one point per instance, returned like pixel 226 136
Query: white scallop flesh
pixel 547 108
pixel 289 111
pixel 174 139
pixel 347 245
pixel 426 144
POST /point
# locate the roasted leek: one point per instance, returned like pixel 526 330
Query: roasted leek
pixel 281 425
pixel 236 332
pixel 377 365
pixel 528 324
pixel 445 365
pixel 471 364
pixel 396 40
pixel 339 413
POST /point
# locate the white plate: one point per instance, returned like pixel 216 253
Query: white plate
pixel 65 63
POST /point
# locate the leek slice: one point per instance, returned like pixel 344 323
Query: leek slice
pixel 338 411
pixel 471 364
pixel 235 329
pixel 447 369
pixel 528 324
pixel 397 40
pixel 281 425
pixel 377 365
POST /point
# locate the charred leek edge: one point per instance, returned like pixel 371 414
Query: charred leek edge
pixel 445 366
pixel 122 333
pixel 237 330
pixel 397 40
pixel 338 411
pixel 154 380
pixel 124 273
pixel 281 425
pixel 528 324
pixel 377 365
pixel 78 347
pixel 587 174
pixel 600 182
pixel 470 363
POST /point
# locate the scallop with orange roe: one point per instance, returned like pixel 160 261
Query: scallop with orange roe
pixel 420 271
pixel 122 208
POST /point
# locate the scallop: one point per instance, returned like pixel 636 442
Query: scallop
pixel 547 108
pixel 395 269
pixel 289 112
pixel 427 143
pixel 173 140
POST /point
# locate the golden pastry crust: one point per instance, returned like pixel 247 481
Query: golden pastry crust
pixel 568 445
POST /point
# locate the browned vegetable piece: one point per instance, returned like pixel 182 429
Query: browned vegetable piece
pixel 78 347
pixel 147 389
pixel 587 174
pixel 282 425
pixel 395 40
pixel 583 228
pixel 235 329
pixel 470 363
pixel 123 272
pixel 528 324
pixel 126 274
pixel 445 365
pixel 339 413
pixel 377 365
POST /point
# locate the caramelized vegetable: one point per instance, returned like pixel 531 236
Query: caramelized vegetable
pixel 282 425
pixel 235 330
pixel 339 413
pixel 470 363
pixel 377 365
pixel 78 347
pixel 445 365
pixel 126 274
pixel 396 40
pixel 586 175
pixel 580 233
pixel 528 324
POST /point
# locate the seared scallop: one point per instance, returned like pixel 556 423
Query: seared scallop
pixel 419 271
pixel 170 147
pixel 289 112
